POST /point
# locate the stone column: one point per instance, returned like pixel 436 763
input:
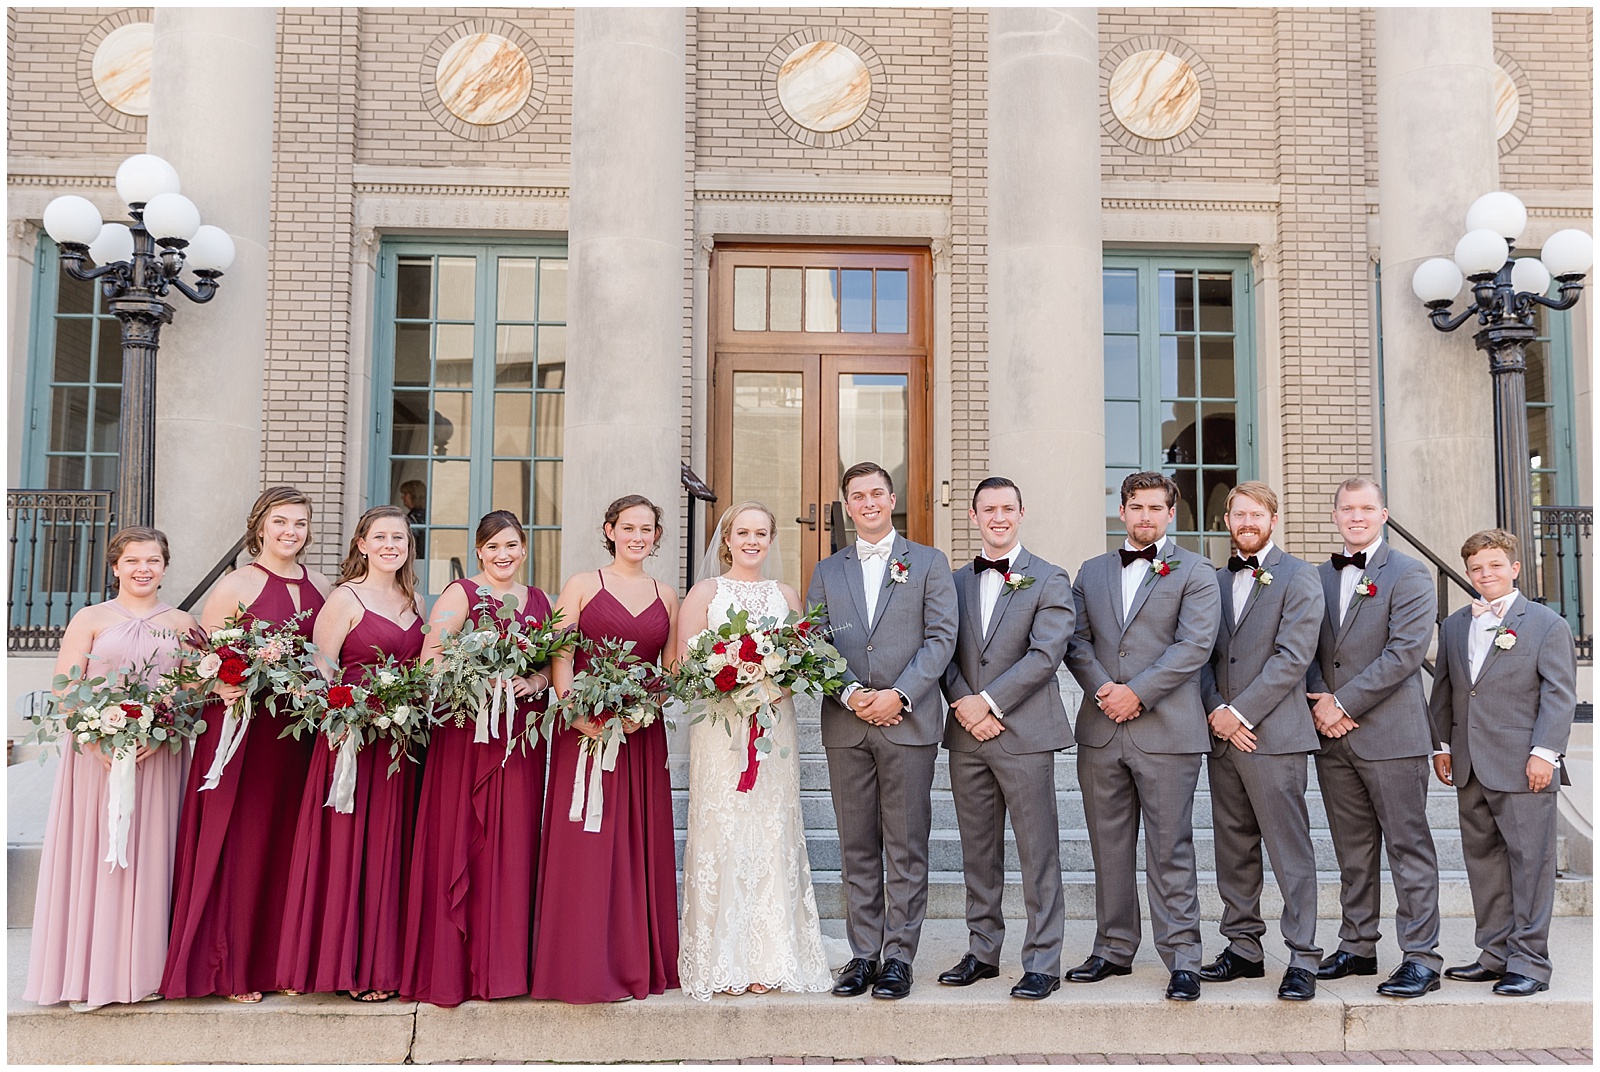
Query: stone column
pixel 1437 154
pixel 624 401
pixel 211 117
pixel 1046 376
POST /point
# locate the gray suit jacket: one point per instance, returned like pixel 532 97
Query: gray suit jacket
pixel 1373 662
pixel 1259 663
pixel 1523 698
pixel 908 646
pixel 1158 653
pixel 1015 663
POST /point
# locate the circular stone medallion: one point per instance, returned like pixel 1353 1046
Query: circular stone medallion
pixel 1507 102
pixel 824 86
pixel 484 78
pixel 1155 94
pixel 122 68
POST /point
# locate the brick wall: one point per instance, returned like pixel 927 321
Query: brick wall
pixel 45 109
pixel 1554 51
pixel 969 359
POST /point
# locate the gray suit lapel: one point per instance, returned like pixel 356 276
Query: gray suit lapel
pixel 886 592
pixel 1114 588
pixel 1225 583
pixel 973 587
pixel 1510 623
pixel 853 581
pixel 1255 589
pixel 1004 599
pixel 1148 581
pixel 1330 597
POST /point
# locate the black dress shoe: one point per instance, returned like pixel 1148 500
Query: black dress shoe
pixel 894 981
pixel 1472 973
pixel 1298 985
pixel 969 971
pixel 1410 980
pixel 1229 966
pixel 1185 986
pixel 1036 986
pixel 859 974
pixel 1513 985
pixel 1342 964
pixel 1095 969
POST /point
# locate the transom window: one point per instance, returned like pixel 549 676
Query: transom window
pixel 852 300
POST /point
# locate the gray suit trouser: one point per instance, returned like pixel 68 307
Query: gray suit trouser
pixel 1374 805
pixel 1509 840
pixel 883 805
pixel 988 783
pixel 1256 798
pixel 1120 785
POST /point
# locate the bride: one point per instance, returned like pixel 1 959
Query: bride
pixel 749 912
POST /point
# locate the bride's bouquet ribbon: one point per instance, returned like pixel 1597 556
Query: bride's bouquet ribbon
pixel 229 739
pixel 119 807
pixel 588 806
pixel 342 793
pixel 761 693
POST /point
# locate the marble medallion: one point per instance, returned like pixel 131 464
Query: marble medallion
pixel 484 78
pixel 1155 94
pixel 824 86
pixel 1506 102
pixel 122 68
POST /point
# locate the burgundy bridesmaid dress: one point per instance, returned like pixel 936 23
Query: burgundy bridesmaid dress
pixel 342 920
pixel 235 841
pixel 606 915
pixel 469 909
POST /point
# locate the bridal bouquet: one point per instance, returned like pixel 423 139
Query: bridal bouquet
pixel 739 671
pixel 392 705
pixel 475 665
pixel 616 687
pixel 269 662
pixel 120 714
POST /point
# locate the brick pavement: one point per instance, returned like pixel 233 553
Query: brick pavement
pixel 1330 1057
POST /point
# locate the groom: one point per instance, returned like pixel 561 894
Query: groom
pixel 893 606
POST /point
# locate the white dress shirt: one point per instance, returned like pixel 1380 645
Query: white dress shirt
pixel 1243 582
pixel 1480 642
pixel 990 585
pixel 1350 575
pixel 874 577
pixel 1137 573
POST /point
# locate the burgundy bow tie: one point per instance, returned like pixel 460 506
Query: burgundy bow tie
pixel 1130 557
pixel 1235 564
pixel 1358 560
pixel 980 564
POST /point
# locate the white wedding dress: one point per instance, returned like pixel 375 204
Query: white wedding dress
pixel 749 911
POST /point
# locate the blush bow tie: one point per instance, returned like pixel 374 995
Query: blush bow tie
pixel 1235 564
pixel 1497 607
pixel 1358 560
pixel 980 564
pixel 1130 557
pixel 872 550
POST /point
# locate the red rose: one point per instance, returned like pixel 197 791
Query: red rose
pixel 727 678
pixel 720 647
pixel 228 651
pixel 805 629
pixel 233 670
pixel 132 709
pixel 747 649
pixel 340 696
pixel 375 705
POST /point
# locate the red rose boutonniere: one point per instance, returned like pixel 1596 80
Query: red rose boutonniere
pixel 899 571
pixel 1366 588
pixel 1160 567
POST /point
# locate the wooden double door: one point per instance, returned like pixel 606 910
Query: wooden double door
pixel 819 362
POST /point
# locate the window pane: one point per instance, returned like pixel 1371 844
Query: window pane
pixel 855 308
pixel 1177 301
pixel 1538 374
pixel 72 351
pixel 73 295
pixel 410 432
pixel 448 488
pixel 552 355
pixel 515 297
pixel 1216 366
pixel 1122 366
pixel 1216 484
pixel 1121 299
pixel 546 493
pixel 103 472
pixel 108 353
pixel 452 423
pixel 107 418
pixel 1177 366
pixel 457 278
pixel 513 423
pixel 510 490
pixel 1539 453
pixel 1122 433
pixel 454 355
pixel 749 299
pixel 1219 443
pixel 445 547
pixel 767 450
pixel 1114 479
pixel 1178 446
pixel 894 312
pixel 513 355
pixel 414 288
pixel 549 414
pixel 65 471
pixel 822 299
pixel 547 561
pixel 552 289
pixel 1216 302
pixel 785 315
pixel 408 489
pixel 69 418
pixel 411 364
pixel 873 423
pixel 1184 520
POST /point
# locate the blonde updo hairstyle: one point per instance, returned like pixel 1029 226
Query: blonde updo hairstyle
pixel 724 530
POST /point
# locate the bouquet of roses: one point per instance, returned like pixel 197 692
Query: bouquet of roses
pixel 391 705
pixel 739 670
pixel 269 662
pixel 120 714
pixel 615 687
pixel 475 665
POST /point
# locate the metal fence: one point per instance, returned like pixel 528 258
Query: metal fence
pixel 57 544
pixel 1564 535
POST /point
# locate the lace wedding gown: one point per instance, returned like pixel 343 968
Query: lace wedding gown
pixel 749 912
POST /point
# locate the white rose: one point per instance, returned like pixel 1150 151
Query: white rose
pixel 1505 641
pixel 716 661
pixel 89 714
pixel 85 738
pixel 402 715
pixel 116 718
pixel 147 718
pixel 774 663
pixel 226 634
pixel 387 677
pixel 209 666
pixel 382 722
pixel 749 673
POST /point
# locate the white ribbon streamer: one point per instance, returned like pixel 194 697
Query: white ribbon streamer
pixel 501 698
pixel 342 793
pixel 229 740
pixel 119 807
pixel 590 806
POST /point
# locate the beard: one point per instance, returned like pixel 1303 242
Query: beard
pixel 1248 543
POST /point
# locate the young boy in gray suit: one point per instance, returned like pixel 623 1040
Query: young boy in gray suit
pixel 1504 693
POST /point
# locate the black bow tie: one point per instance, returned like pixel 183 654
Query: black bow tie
pixel 1358 560
pixel 1235 564
pixel 980 564
pixel 1130 557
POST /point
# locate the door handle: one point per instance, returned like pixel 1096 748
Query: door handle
pixel 810 518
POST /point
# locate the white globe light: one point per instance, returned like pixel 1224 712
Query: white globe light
pixel 210 250
pixel 72 220
pixel 142 177
pixel 1529 276
pixel 1500 212
pixel 1437 280
pixel 1568 252
pixel 1481 252
pixel 114 244
pixel 169 216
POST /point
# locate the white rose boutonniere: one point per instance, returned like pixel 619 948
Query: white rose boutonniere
pixel 1016 582
pixel 1505 639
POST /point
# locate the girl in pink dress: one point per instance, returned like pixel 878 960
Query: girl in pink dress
pixel 342 920
pixel 100 931
pixel 235 838
pixel 469 911
pixel 606 915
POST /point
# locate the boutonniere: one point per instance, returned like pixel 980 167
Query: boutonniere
pixel 1160 567
pixel 1016 582
pixel 1505 638
pixel 1366 588
pixel 1262 575
pixel 899 571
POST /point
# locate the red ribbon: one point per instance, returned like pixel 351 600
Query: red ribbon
pixel 747 780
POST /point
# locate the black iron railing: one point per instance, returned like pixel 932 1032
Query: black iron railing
pixel 225 564
pixel 1444 575
pixel 57 543
pixel 1564 535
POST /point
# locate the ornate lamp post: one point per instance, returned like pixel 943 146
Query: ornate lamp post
pixel 1504 293
pixel 137 267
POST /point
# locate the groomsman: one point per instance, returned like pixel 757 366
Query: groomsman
pixel 893 605
pixel 1147 616
pixel 1366 691
pixel 1006 724
pixel 1504 693
pixel 1253 686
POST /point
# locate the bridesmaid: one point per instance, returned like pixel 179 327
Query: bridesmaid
pixel 99 931
pixel 234 840
pixel 606 915
pixel 341 924
pixel 469 913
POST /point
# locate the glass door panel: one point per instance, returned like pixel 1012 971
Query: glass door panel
pixel 768 452
pixel 873 423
